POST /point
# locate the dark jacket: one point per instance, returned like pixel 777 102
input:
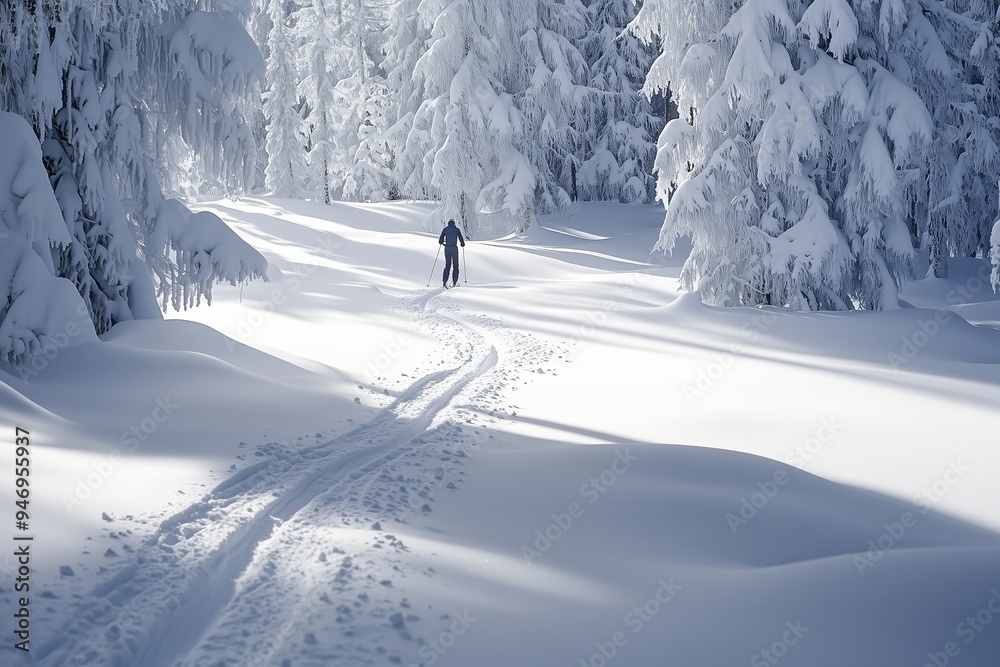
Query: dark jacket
pixel 451 236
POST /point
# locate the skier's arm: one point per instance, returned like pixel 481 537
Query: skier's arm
pixel 441 238
pixel 461 239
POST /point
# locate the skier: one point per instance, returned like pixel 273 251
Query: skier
pixel 451 237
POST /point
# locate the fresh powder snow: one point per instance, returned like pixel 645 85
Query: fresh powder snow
pixel 716 386
pixel 568 461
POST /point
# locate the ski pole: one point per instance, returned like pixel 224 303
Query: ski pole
pixel 466 266
pixel 435 266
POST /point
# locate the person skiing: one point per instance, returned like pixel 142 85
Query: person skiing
pixel 451 237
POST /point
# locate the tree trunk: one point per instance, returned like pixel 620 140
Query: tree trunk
pixel 326 181
pixel 575 194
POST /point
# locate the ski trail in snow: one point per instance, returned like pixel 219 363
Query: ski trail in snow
pixel 154 610
pixel 325 547
pixel 329 586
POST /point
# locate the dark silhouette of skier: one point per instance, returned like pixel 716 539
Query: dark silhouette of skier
pixel 451 237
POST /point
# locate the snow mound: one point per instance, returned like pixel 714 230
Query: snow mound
pixel 905 338
pixel 700 544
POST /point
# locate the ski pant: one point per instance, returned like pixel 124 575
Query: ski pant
pixel 450 263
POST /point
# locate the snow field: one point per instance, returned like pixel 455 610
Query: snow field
pixel 563 463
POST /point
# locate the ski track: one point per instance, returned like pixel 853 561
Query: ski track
pixel 225 581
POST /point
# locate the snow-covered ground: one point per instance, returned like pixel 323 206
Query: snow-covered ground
pixel 563 462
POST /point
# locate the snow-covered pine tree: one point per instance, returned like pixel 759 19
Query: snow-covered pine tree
pixel 360 114
pixel 898 55
pixel 405 37
pixel 982 85
pixel 554 98
pixel 466 137
pixel 962 197
pixel 995 251
pixel 370 176
pixel 316 26
pixel 619 120
pixel 103 83
pixel 984 77
pixel 197 73
pixel 40 313
pixel 101 257
pixel 740 95
pixel 491 101
pixel 215 70
pixel 800 140
pixel 286 142
pixel 940 204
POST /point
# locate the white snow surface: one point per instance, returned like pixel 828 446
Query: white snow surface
pixel 564 461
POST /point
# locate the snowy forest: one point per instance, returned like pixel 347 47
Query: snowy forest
pixel 808 149
pixel 705 374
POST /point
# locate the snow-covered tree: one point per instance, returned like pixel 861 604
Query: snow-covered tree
pixel 101 257
pixel 213 88
pixel 406 35
pixel 286 142
pixel 553 100
pixel 361 111
pixel 344 96
pixel 370 175
pixel 116 92
pixel 619 123
pixel 964 162
pixel 500 109
pixel 995 252
pixel 799 148
pixel 464 142
pixel 38 310
pixel 316 27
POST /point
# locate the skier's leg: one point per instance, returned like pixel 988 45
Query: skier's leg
pixel 454 271
pixel 449 262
